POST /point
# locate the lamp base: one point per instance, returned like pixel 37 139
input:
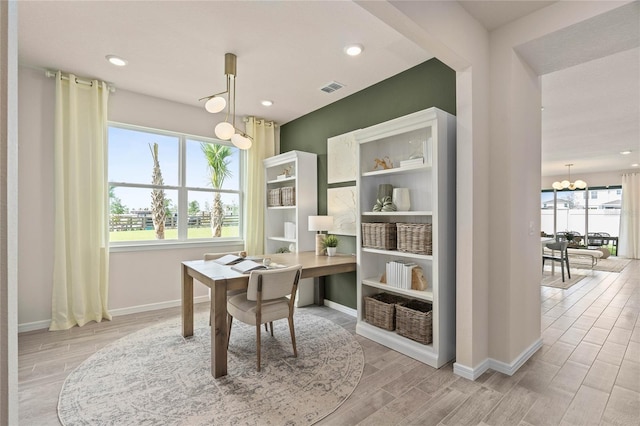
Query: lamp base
pixel 319 241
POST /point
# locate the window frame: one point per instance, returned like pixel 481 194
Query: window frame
pixel 183 191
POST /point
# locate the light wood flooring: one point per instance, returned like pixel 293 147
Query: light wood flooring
pixel 587 372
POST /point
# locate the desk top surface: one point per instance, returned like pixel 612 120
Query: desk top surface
pixel 312 265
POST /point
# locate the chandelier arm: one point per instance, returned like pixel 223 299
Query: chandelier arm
pixel 214 95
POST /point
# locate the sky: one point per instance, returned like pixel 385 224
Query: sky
pixel 131 161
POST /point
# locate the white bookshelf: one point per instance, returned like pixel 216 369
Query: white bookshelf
pixel 432 192
pixel 303 176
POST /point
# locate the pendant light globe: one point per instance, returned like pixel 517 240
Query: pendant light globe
pixel 224 131
pixel 241 141
pixel 215 104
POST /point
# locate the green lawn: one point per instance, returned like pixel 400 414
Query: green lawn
pixel 169 234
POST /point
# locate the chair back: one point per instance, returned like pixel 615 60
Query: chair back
pixel 562 246
pixel 275 283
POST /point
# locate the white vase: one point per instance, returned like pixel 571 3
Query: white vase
pixel 331 251
pixel 401 199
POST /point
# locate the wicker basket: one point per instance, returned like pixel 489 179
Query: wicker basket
pixel 415 238
pixel 379 235
pixel 273 199
pixel 380 310
pixel 288 196
pixel 415 321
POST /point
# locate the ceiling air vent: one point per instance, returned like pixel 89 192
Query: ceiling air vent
pixel 332 87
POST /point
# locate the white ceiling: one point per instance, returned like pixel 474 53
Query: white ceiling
pixel 287 50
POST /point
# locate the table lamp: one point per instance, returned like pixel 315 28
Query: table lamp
pixel 319 224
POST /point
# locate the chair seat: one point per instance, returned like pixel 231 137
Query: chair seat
pixel 245 310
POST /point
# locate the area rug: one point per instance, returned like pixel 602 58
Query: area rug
pixel 157 377
pixel 555 280
pixel 610 264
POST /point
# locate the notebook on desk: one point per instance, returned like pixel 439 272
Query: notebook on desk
pixel 228 259
pixel 247 266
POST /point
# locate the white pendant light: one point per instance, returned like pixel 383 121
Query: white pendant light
pixel 216 103
pixel 241 141
pixel 224 130
pixel 567 184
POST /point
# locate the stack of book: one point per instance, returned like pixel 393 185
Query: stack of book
pixel 412 163
pixel 398 273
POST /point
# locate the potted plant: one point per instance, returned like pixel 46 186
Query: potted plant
pixel 330 243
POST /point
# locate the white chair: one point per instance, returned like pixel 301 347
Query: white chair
pixel 266 301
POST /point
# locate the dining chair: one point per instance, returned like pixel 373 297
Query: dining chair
pixel 266 301
pixel 563 257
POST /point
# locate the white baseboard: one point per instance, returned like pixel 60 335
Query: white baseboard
pixel 341 308
pixel 499 366
pixel 39 325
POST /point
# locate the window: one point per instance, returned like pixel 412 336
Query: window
pixel 166 186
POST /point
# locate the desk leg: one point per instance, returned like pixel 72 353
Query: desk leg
pixel 318 294
pixel 187 303
pixel 219 328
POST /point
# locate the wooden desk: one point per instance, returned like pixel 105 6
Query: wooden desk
pixel 220 278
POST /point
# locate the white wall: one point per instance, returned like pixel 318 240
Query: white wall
pixel 139 280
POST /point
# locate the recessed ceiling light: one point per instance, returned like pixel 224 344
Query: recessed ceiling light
pixel 353 49
pixel 625 152
pixel 266 103
pixel 116 60
pixel 635 165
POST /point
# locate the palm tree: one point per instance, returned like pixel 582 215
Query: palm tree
pixel 218 165
pixel 158 212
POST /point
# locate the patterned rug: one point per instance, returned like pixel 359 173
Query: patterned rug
pixel 156 377
pixel 555 280
pixel 610 264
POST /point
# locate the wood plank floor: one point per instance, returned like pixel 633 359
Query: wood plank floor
pixel 586 373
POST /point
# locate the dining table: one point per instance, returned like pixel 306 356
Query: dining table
pixel 221 278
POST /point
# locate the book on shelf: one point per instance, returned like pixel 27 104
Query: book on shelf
pixel 229 259
pixel 412 162
pixel 399 273
pixel 247 266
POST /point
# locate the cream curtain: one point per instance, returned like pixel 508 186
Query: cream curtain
pixel 264 138
pixel 81 255
pixel 629 239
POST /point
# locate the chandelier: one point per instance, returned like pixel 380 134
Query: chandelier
pixel 226 130
pixel 567 184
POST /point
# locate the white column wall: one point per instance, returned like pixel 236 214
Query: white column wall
pixel 138 280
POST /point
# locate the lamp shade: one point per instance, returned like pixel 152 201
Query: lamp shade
pixel 320 223
pixel 240 141
pixel 215 104
pixel 224 131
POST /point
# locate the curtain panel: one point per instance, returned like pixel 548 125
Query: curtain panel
pixel 263 134
pixel 629 240
pixel 81 236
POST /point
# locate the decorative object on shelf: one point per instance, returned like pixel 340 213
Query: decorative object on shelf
pixel 290 230
pixel 567 184
pixel 273 198
pixel 320 224
pixel 401 199
pixel 412 163
pixel 330 244
pixel 418 280
pixel 384 205
pixel 416 150
pixel 286 172
pixel 283 250
pixel 288 196
pixel 414 320
pixel 216 103
pixel 379 236
pixel 385 163
pixel 384 190
pixel 292 247
pixel 415 238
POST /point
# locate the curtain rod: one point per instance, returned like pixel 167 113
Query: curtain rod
pixel 267 123
pixel 48 73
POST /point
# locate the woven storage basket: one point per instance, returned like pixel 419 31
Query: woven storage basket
pixel 379 235
pixel 414 238
pixel 273 199
pixel 380 310
pixel 288 196
pixel 415 321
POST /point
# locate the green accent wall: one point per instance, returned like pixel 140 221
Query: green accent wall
pixel 430 84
